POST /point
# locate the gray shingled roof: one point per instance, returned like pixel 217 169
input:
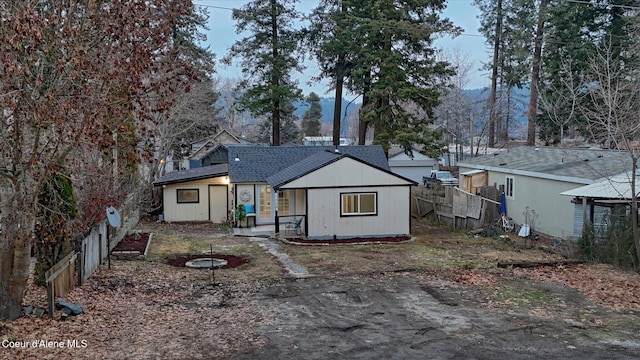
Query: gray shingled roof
pixel 199 155
pixel 547 162
pixel 303 167
pixel 204 172
pixel 257 163
pixel 312 163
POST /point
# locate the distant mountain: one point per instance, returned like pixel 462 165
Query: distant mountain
pixel 479 98
pixel 519 98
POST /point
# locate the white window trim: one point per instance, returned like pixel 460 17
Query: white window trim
pixel 509 194
pixel 375 204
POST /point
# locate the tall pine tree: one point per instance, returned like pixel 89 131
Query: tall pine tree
pixel 396 70
pixel 311 119
pixel 269 56
pixel 574 32
pixel 509 26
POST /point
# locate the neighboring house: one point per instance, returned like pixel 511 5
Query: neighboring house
pixel 595 201
pixel 412 167
pixel 348 193
pixel 209 155
pixel 222 137
pixel 210 151
pixel 533 178
pixel 323 141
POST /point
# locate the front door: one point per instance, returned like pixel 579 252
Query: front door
pixel 264 204
pixel 218 203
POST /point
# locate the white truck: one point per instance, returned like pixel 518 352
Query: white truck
pixel 439 177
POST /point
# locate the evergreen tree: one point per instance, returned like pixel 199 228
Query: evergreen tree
pixel 574 33
pixel 269 55
pixel 331 38
pixel 396 70
pixel 383 52
pixel 509 26
pixel 311 119
pixel 289 131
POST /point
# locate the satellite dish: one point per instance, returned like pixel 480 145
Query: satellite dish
pixel 113 216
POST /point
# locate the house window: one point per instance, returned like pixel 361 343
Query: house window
pixel 284 203
pixel 265 202
pixel 186 196
pixel 358 204
pixel 508 188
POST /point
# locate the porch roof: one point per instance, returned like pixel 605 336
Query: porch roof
pixel 204 172
pixel 617 187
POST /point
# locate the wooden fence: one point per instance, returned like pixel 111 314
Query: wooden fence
pixel 457 208
pixel 94 251
pixel 61 279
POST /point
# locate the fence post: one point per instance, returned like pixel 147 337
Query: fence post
pixel 65 266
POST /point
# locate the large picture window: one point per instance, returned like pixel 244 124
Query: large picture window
pixel 358 204
pixel 188 196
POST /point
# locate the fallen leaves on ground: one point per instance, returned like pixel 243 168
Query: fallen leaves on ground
pixel 604 284
pixel 145 310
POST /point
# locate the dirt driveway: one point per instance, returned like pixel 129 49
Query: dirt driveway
pixel 415 315
pixel 440 296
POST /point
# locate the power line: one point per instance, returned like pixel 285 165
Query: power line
pixel 585 2
pixel 214 7
pixel 398 27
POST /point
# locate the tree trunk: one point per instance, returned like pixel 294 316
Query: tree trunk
pixel 494 77
pixel 535 76
pixel 15 257
pixel 275 80
pixel 634 209
pixel 363 124
pixel 337 108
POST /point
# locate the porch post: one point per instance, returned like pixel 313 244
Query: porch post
pixel 277 219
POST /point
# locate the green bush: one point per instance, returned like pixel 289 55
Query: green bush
pixel 241 212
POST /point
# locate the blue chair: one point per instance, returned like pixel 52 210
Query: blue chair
pixel 295 226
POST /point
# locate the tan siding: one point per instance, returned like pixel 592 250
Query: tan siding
pixel 190 211
pixel 392 219
pixel 346 172
pixel 554 211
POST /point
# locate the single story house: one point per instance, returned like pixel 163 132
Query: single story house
pixel 533 179
pixel 412 166
pixel 337 193
pixel 595 201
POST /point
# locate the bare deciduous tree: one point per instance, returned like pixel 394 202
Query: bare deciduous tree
pixel 562 104
pixel 613 88
pixel 73 73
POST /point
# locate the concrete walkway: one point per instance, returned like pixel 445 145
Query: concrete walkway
pixel 294 269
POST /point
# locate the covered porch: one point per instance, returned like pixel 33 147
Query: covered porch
pixel 287 230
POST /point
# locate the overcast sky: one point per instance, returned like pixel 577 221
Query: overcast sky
pixel 221 35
